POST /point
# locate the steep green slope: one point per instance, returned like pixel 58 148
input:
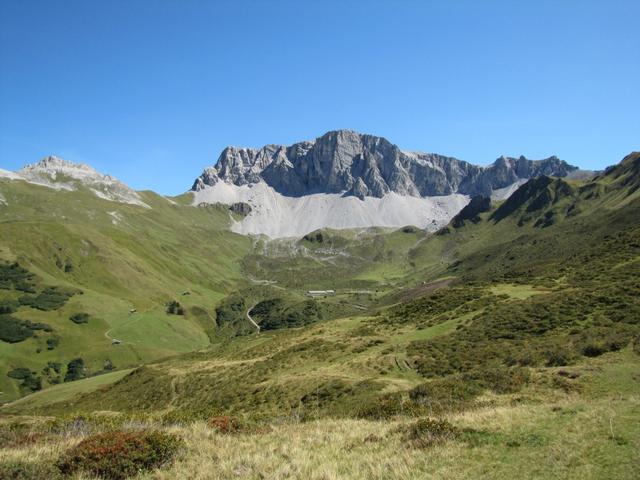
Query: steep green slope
pixel 120 258
pixel 545 223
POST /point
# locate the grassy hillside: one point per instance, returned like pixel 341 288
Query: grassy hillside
pixel 505 343
pixel 523 295
pixel 118 258
pixel 545 238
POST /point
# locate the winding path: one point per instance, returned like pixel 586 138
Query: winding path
pixel 251 319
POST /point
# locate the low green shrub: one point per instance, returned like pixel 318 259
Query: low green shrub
pixel 51 298
pixel 29 380
pixel 231 310
pixel 498 378
pixel 389 406
pixel 275 314
pixel 19 470
pixel 19 373
pixel 559 356
pixel 183 416
pixel 75 370
pixel 554 329
pixel 8 306
pixel 427 432
pixel 79 318
pixel 13 330
pixel 604 337
pixel 52 343
pixel 174 308
pixel 425 310
pixel 55 366
pixel 447 394
pixel 594 350
pixel 314 237
pixel 120 454
pixel 52 372
pixel 12 275
pixel 453 393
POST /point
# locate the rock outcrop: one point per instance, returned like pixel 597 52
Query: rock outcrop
pixel 60 174
pixel 240 208
pixel 362 166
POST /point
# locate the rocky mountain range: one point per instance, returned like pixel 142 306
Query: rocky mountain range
pixel 340 180
pixel 354 164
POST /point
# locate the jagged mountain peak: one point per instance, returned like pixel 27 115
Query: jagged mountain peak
pixel 363 165
pixel 523 166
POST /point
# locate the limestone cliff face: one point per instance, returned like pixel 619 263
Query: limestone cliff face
pixel 359 165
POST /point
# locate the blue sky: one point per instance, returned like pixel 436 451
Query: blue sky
pixel 151 91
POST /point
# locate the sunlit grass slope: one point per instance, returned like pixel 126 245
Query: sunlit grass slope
pixel 122 258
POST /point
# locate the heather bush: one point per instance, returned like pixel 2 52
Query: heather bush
pixel 120 454
pixel 227 425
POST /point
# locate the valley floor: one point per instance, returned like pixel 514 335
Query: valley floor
pixel 589 431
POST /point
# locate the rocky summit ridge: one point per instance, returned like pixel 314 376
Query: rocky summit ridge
pixel 361 165
pixel 60 174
